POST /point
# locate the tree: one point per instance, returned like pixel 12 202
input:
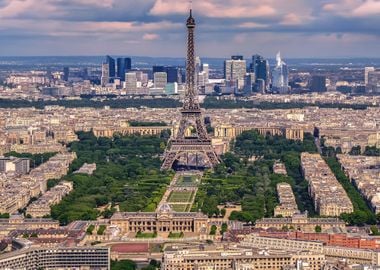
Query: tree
pixel 213 230
pixel 123 265
pixel 318 229
pixel 154 263
pixel 328 151
pixel 162 146
pixel 372 151
pixel 109 212
pixel 90 229
pixel 355 151
pixel 375 230
pixel 223 228
pixel 223 212
pixel 5 215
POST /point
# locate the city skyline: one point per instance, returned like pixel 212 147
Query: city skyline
pixel 339 28
pixel 128 164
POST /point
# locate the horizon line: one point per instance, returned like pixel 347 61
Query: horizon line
pixel 182 57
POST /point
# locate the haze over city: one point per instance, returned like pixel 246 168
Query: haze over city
pixel 299 28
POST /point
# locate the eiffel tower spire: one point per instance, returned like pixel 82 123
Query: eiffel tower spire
pixel 198 143
pixel 191 98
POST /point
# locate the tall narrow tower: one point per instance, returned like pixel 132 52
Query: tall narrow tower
pixel 191 140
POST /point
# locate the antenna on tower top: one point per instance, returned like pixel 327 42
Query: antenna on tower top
pixel 191 6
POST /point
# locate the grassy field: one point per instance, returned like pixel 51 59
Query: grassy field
pixel 181 196
pixel 187 181
pixel 180 207
pixel 146 235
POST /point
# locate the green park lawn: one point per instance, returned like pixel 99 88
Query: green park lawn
pixel 180 207
pixel 181 196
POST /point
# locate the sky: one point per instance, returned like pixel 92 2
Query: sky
pixel 297 28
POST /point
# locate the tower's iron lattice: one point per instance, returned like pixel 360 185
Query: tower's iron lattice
pixel 191 116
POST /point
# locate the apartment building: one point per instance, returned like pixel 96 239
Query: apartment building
pixel 364 173
pixel 14 165
pixel 239 259
pixel 301 222
pixel 41 207
pixel 288 206
pixel 82 258
pixel 329 197
pixel 351 255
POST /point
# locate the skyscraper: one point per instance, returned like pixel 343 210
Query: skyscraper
pixel 131 81
pixel 255 59
pixel 280 80
pixel 263 72
pixel 123 66
pixel 112 68
pixel 234 71
pixel 66 73
pixel 206 70
pixel 158 69
pixel 160 79
pixel 198 65
pixel 249 81
pixel 105 79
pixel 366 71
pixel 172 74
pixel 373 85
pixel 260 67
pixel 108 70
pixel 318 83
pixel 237 57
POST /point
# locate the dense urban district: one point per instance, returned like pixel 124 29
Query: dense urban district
pixel 89 180
pixel 237 166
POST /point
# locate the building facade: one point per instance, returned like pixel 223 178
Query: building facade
pixel 301 222
pixel 86 258
pixel 165 220
pixel 234 71
pixel 231 132
pixel 280 79
pixel 329 197
pixel 238 259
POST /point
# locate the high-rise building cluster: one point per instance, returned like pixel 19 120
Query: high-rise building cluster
pixel 156 81
pixel 115 71
pixel 280 78
pixel 239 78
pixel 372 80
pixel 257 77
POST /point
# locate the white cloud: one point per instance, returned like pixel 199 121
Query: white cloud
pixel 214 8
pixel 39 8
pixel 353 8
pixel 368 8
pixel 102 3
pixel 150 36
pixel 252 25
pixel 292 19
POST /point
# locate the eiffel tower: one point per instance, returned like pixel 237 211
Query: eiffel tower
pixel 198 142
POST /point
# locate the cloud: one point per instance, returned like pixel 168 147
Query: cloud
pixel 252 25
pixel 292 19
pixel 103 3
pixel 353 8
pixel 39 9
pixel 157 26
pixel 368 8
pixel 214 8
pixel 150 36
